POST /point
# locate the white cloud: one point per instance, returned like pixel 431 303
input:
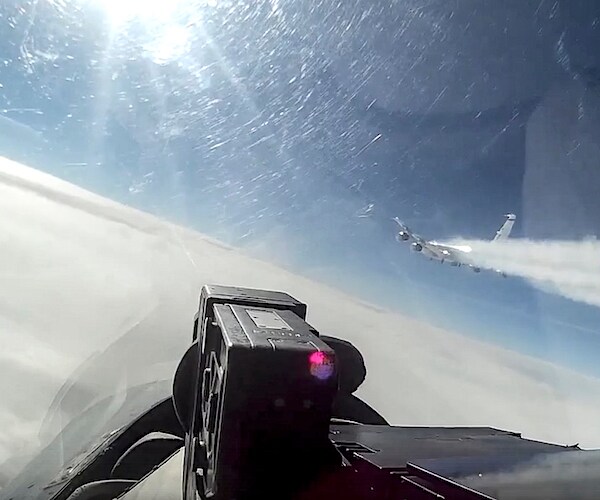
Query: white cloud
pixel 567 268
pixel 543 477
pixel 81 274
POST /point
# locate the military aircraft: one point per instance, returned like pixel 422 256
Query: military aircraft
pixel 455 255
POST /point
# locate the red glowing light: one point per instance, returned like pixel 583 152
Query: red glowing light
pixel 318 358
pixel 321 365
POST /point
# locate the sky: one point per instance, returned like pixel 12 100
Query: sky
pixel 270 126
pixel 277 154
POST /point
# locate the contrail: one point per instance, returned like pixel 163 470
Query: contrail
pixel 567 268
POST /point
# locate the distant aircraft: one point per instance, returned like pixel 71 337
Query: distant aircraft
pixel 366 211
pixel 455 255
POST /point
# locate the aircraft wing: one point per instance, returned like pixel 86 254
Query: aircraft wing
pixel 406 234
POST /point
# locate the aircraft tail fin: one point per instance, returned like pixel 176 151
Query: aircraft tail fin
pixel 504 231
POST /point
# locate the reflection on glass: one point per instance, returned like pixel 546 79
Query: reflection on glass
pixel 153 147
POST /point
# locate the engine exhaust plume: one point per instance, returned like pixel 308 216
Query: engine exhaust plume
pixel 567 268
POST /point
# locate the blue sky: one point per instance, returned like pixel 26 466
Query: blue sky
pixel 278 143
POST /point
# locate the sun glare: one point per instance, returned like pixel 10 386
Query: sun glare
pixel 120 11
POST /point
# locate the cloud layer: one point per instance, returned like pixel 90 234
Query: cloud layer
pixel 96 296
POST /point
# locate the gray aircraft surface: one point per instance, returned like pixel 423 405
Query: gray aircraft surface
pixel 455 255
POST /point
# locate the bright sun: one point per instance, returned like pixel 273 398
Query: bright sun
pixel 120 11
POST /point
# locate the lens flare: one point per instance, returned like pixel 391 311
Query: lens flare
pixel 121 11
pixel 321 365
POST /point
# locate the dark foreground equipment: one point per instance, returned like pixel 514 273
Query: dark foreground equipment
pixel 263 407
pixel 261 420
pixel 264 384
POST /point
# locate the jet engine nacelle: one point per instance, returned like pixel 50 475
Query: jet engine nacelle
pixel 417 247
pixel 403 236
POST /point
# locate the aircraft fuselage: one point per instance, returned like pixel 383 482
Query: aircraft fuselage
pixel 455 255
